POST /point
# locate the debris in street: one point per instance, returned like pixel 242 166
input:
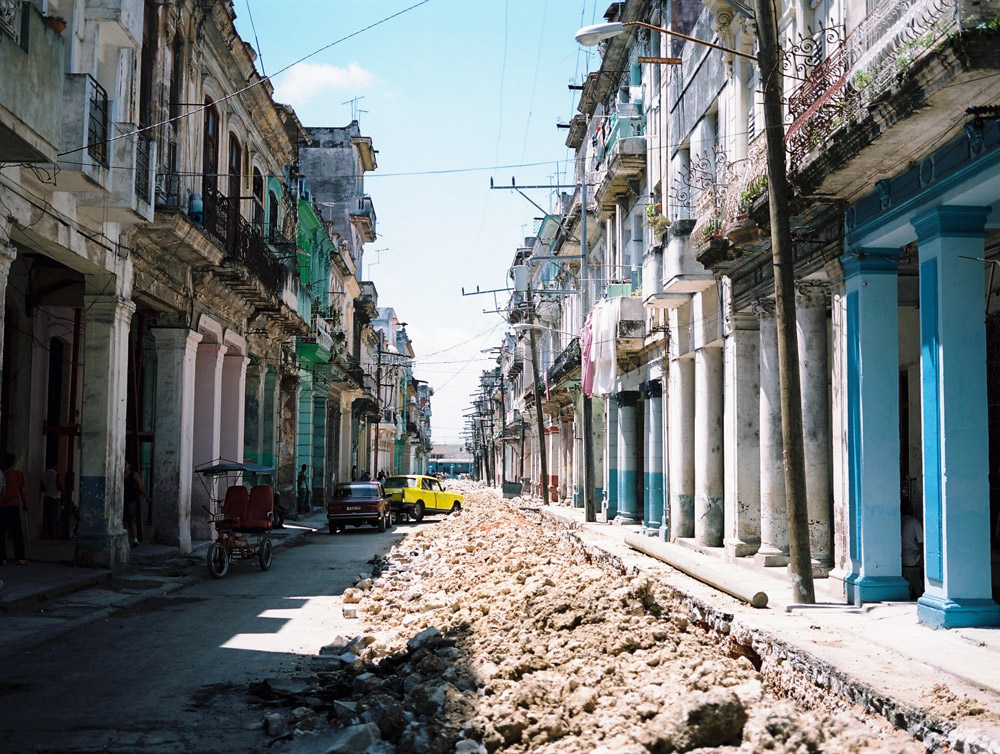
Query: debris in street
pixel 492 632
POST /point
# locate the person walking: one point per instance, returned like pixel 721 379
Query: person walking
pixel 10 512
pixel 302 488
pixel 134 491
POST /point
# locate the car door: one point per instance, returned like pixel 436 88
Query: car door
pixel 440 496
pixel 429 493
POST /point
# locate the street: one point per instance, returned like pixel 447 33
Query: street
pixel 169 673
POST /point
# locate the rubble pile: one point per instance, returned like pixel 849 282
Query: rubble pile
pixel 489 631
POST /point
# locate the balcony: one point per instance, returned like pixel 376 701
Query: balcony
pixel 120 21
pixel 362 215
pixel 133 161
pixel 567 363
pixel 31 87
pixel 621 154
pixel 367 302
pixel 879 99
pixel 317 347
pixel 84 164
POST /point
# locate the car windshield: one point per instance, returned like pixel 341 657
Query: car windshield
pixel 400 481
pixel 356 490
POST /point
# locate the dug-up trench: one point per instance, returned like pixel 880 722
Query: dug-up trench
pixel 494 629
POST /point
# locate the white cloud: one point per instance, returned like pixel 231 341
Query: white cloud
pixel 307 81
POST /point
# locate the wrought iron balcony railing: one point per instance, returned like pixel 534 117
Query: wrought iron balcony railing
pixel 142 166
pixel 10 19
pixel 97 122
pixel 866 63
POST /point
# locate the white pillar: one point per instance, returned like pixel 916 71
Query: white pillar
pixel 176 351
pixel 610 502
pixel 232 405
pixel 207 418
pixel 8 253
pixel 680 454
pixel 773 517
pixel 708 456
pixel 811 320
pixel 628 448
pixel 102 541
pixel 741 430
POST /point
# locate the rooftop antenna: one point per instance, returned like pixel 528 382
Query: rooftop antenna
pixel 353 102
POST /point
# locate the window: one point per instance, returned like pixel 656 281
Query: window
pixel 210 150
pixel 258 201
pixel 235 167
pixel 272 214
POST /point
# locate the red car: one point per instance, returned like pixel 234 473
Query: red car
pixel 358 504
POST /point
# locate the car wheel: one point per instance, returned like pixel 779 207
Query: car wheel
pixel 218 560
pixel 264 554
pixel 381 523
pixel 456 506
pixel 418 511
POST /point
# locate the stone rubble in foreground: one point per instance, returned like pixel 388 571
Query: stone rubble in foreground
pixel 489 630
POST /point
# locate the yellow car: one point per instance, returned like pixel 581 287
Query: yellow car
pixel 415 496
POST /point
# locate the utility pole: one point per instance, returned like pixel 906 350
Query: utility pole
pixel 589 504
pixel 800 566
pixel 538 398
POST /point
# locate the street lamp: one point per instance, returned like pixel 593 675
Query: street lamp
pixel 784 278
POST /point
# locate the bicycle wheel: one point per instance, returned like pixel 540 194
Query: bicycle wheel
pixel 218 560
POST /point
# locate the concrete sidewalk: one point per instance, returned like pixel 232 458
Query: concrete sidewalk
pixel 51 572
pixel 942 686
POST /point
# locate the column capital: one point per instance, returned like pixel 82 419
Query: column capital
pixel 969 222
pixel 651 389
pixel 870 261
pixel 107 307
pixel 627 398
pixel 8 253
pixel 175 337
pixel 764 308
pixel 811 292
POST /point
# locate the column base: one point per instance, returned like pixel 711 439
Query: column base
pixel 770 556
pixel 624 519
pixel 109 551
pixel 737 548
pixel 860 589
pixel 941 612
pixel 652 529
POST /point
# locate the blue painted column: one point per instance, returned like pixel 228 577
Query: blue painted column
pixel 628 447
pixel 870 280
pixel 611 460
pixel 955 432
pixel 653 524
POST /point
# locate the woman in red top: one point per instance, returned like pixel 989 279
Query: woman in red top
pixel 10 513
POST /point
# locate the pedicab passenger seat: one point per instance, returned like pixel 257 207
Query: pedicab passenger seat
pixel 234 508
pixel 260 510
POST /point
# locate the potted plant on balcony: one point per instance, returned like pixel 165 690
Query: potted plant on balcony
pixel 56 23
pixel 713 230
pixel 657 222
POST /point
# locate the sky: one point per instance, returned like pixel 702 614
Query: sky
pixel 452 93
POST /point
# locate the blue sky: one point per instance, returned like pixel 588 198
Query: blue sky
pixel 452 93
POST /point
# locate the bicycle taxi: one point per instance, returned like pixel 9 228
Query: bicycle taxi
pixel 243 516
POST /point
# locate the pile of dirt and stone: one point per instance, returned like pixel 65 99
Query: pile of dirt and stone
pixel 491 630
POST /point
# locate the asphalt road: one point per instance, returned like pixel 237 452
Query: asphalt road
pixel 170 673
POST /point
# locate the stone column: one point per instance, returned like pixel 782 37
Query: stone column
pixel 304 441
pixel 554 458
pixel 611 460
pixel 252 412
pixel 773 549
pixel 680 397
pixel 321 394
pixel 838 431
pixel 628 446
pixel 579 472
pixel 232 405
pixel 8 253
pixel 814 377
pixel 653 471
pixel 173 452
pixel 269 420
pixel 741 432
pixel 708 457
pixel 872 336
pixel 955 433
pixel 102 541
pixel 207 420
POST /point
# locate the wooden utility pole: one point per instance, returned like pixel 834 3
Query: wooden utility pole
pixel 538 398
pixel 800 565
